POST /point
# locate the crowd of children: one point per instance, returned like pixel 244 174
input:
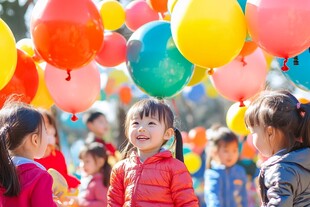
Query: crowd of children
pixel 149 173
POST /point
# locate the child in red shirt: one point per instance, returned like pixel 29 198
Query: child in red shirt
pixel 23 137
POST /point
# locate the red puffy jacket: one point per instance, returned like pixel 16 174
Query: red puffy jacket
pixel 159 181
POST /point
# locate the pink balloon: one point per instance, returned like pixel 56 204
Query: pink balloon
pixel 76 95
pixel 139 13
pixel 279 26
pixel 241 79
pixel 113 51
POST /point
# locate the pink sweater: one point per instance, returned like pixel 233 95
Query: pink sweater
pixel 36 188
pixel 92 192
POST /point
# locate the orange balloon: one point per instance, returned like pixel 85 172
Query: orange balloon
pixel 125 95
pixel 198 136
pixel 248 152
pixel 303 100
pixel 160 6
pixel 248 48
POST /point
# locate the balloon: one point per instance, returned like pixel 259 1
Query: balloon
pixel 66 34
pixel 27 46
pixel 242 3
pixel 303 100
pixel 194 93
pixel 113 51
pixel 248 151
pixel 300 71
pixel 125 95
pixel 42 98
pixel 207 33
pixel 198 75
pixel 248 48
pixel 8 54
pixel 235 119
pixel 278 26
pixel 24 83
pixel 138 13
pixel 76 95
pixel 112 14
pixel 197 136
pixel 158 5
pixel 192 162
pixel 154 63
pixel 238 81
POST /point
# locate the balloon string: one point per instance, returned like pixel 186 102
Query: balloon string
pixel 284 67
pixel 74 117
pixel 69 75
pixel 210 71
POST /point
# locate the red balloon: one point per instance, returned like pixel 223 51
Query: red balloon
pixel 76 95
pixel 113 51
pixel 67 34
pixel 139 13
pixel 24 82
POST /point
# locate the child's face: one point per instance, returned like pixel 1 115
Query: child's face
pixel 90 165
pixel 260 140
pixel 99 126
pixel 43 142
pixel 148 134
pixel 227 153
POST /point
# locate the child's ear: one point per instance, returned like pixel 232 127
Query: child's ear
pixel 270 131
pixel 168 134
pixel 35 139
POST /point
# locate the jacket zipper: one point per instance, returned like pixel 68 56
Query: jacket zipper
pixel 140 169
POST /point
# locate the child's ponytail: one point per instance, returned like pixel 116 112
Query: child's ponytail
pixel 8 175
pixel 304 127
pixel 178 145
pixel 106 172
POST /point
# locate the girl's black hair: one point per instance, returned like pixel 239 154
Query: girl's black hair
pixel 17 120
pixel 281 110
pixel 151 107
pixel 97 150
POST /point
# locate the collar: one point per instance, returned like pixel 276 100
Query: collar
pixel 17 161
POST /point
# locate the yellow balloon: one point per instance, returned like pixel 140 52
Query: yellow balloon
pixel 235 119
pixel 167 17
pixel 171 4
pixel 8 54
pixel 211 92
pixel 269 59
pixel 192 162
pixel 198 75
pixel 208 33
pixel 42 98
pixel 118 76
pixel 112 14
pixel 26 45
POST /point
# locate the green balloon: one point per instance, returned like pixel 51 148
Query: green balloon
pixel 154 62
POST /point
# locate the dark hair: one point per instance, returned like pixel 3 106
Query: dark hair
pixel 281 110
pixel 217 136
pixel 151 107
pixel 90 116
pixel 51 121
pixel 17 120
pixel 97 150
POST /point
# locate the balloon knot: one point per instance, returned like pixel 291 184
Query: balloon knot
pixel 244 63
pixel 74 117
pixel 241 104
pixel 210 71
pixel 69 75
pixel 284 67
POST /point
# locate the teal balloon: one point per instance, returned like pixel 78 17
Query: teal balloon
pixel 242 4
pixel 299 72
pixel 154 63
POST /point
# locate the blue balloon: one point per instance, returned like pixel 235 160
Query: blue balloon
pixel 194 93
pixel 298 73
pixel 154 62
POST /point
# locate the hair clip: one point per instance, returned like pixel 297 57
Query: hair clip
pixel 298 105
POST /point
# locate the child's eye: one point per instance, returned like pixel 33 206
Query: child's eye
pixel 135 123
pixel 152 123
